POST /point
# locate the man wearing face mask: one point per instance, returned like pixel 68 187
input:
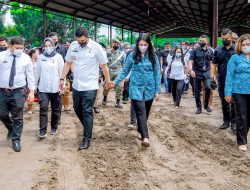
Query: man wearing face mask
pixel 16 71
pixel 86 57
pixel 62 50
pixel 221 57
pixel 3 44
pixel 163 60
pixel 115 66
pixel 199 68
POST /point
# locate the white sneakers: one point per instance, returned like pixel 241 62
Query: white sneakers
pixel 243 147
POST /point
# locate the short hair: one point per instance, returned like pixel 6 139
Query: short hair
pixel 204 36
pixel 2 38
pixel 115 41
pixel 226 31
pixel 167 43
pixel 235 35
pixel 17 40
pixel 126 44
pixel 53 34
pixel 240 40
pixel 186 43
pixel 81 31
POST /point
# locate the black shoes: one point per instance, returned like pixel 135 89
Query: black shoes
pixel 53 132
pixel 225 125
pixel 42 135
pixel 104 102
pixel 96 110
pixel 118 105
pixel 16 146
pixel 233 127
pixel 84 145
pixel 208 109
pixel 198 111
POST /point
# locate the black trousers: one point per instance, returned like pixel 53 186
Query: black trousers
pixel 142 109
pixel 55 101
pixel 242 116
pixel 83 102
pixel 132 114
pixel 228 110
pixel 197 90
pixel 177 86
pixel 191 81
pixel 125 93
pixel 11 111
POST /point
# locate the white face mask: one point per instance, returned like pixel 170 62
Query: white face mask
pixel 18 52
pixel 143 49
pixel 127 50
pixel 246 49
pixel 48 50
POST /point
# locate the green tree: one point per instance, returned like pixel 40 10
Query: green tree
pixel 3 10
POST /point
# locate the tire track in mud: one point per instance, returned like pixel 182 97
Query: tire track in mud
pixel 209 149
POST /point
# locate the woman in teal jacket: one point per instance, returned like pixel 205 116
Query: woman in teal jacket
pixel 238 86
pixel 145 82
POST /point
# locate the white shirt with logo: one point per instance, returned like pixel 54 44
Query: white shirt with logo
pixel 24 70
pixel 86 63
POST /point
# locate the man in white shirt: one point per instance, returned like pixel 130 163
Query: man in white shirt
pixel 16 68
pixel 3 43
pixel 86 56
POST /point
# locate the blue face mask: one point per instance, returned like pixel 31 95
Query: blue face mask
pixel 178 55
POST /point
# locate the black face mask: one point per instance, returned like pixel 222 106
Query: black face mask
pixel 226 42
pixel 83 44
pixel 115 47
pixel 3 49
pixel 56 43
pixel 202 44
pixel 233 42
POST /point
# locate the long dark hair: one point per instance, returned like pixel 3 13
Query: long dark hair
pixel 150 51
pixel 182 55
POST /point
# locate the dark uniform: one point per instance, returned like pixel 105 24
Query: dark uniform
pixel 221 57
pixel 201 66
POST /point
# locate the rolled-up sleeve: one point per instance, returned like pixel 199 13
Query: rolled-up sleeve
pixel 230 75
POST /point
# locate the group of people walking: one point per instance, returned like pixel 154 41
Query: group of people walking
pixel 135 72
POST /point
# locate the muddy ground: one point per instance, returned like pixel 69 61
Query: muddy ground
pixel 187 152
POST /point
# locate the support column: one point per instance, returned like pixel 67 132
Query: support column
pixel 44 19
pixel 95 31
pixel 215 23
pixel 122 35
pixel 131 36
pixel 74 25
pixel 110 34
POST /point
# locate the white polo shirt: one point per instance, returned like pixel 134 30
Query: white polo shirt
pixel 48 73
pixel 24 70
pixel 86 63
